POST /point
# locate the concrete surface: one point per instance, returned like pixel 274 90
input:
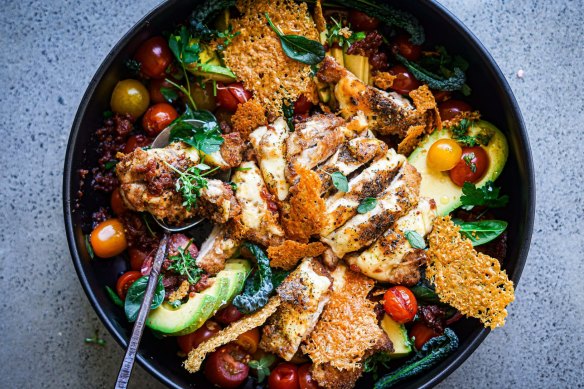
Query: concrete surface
pixel 50 50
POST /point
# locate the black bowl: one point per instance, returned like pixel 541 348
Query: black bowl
pixel 492 95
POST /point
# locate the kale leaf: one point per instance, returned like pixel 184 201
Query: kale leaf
pixel 258 288
pixel 434 81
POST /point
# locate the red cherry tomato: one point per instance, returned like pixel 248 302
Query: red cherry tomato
pixel 227 367
pixel 305 378
pixel 302 105
pixel 194 339
pixel 400 303
pixel 136 141
pixel 441 95
pixel 116 202
pixel 422 334
pixel 228 315
pixel 284 376
pixel 137 258
pixel 154 57
pixel 158 117
pixel 230 96
pixel 473 164
pixel 405 82
pixel 154 90
pixel 452 108
pixel 360 21
pixel 402 45
pixel 125 281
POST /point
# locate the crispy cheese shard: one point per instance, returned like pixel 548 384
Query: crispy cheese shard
pixel 304 294
pixel 287 255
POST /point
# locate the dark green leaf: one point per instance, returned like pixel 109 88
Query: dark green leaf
pixel 135 296
pixel 107 114
pixel 109 165
pixel 257 289
pixel 169 94
pixel 133 66
pixel 481 232
pixel 205 137
pixel 374 362
pixel 487 195
pixel 340 182
pixel 434 81
pixel 114 297
pixel 89 248
pixel 424 293
pixel 367 204
pixel 263 366
pixel 288 111
pixel 415 239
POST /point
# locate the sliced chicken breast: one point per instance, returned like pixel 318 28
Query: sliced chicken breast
pixel 216 249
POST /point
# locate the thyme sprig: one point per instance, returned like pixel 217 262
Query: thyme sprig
pixel 185 264
pixel 190 183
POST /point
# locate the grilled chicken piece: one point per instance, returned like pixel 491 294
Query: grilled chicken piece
pixel 391 258
pixel 369 183
pixel 216 249
pixel 388 113
pixel 269 143
pixel 363 229
pixel 229 155
pixel 259 213
pixel 304 294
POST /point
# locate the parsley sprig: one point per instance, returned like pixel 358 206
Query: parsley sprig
pixel 190 183
pixel 487 195
pixel 184 264
pixel 262 366
pixel 461 135
pixel 186 51
pixel 339 34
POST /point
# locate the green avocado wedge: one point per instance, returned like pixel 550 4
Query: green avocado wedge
pixel 398 335
pixel 438 186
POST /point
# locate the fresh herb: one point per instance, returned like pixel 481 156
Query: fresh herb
pixel 469 160
pixel 190 183
pixel 133 67
pixel 95 340
pixel 435 350
pixel 440 62
pixel 487 195
pixel 107 114
pixel 186 51
pixel 460 134
pixel 425 293
pixel 114 296
pixel 416 240
pixel 481 232
pixel 263 366
pixel 233 185
pixel 198 129
pixel 226 37
pixel 434 81
pixel 185 265
pixel 145 217
pixel 374 362
pixel 89 248
pixel 336 33
pixel 298 47
pixel 258 288
pixel 367 204
pixel 340 182
pixel 169 94
pixel 204 12
pixel 109 165
pixel 288 111
pixel 135 296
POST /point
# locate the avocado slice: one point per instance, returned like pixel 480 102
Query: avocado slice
pixel 438 186
pixel 210 67
pixel 358 65
pixel 243 268
pixel 398 335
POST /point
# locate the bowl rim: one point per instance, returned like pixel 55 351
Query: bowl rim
pixel 428 380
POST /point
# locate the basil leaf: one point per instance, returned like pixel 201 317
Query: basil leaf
pixel 135 296
pixel 205 137
pixel 340 182
pixel 425 293
pixel 367 205
pixel 416 240
pixel 481 232
pixel 114 296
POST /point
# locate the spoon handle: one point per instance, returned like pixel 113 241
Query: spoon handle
pixel 138 330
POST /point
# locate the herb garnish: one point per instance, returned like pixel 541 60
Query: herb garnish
pixel 416 240
pixel 95 340
pixel 367 204
pixel 109 165
pixel 190 183
pixel 340 182
pixel 114 296
pixel 455 82
pixel 337 34
pixel 288 111
pixel 145 217
pixel 186 51
pixel 169 94
pixel 481 232
pixel 89 247
pixel 135 296
pixel 374 362
pixel 487 195
pixel 460 134
pixel 298 47
pixel 227 37
pixel 205 137
pixel 469 160
pixel 262 366
pixel 184 264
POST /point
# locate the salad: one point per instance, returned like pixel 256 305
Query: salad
pixel 347 186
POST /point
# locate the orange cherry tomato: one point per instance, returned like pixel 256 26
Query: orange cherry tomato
pixel 305 377
pixel 443 155
pixel 131 97
pixel 117 203
pixel 194 339
pixel 158 117
pixel 422 334
pixel 400 303
pixel 471 167
pixel 125 281
pixel 452 108
pixel 108 239
pixel 154 56
pixel 249 340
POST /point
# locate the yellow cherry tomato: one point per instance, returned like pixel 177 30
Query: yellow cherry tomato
pixel 203 96
pixel 249 340
pixel 108 239
pixel 131 97
pixel 443 155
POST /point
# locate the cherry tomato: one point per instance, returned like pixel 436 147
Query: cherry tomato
pixel 227 367
pixel 443 155
pixel 137 258
pixel 422 334
pixel 154 90
pixel 131 97
pixel 302 105
pixel 228 315
pixel 194 339
pixel 125 281
pixel 452 108
pixel 249 340
pixel 230 96
pixel 402 45
pixel 360 21
pixel 108 239
pixel 405 82
pixel 117 203
pixel 471 167
pixel 158 117
pixel 441 95
pixel 203 96
pixel 136 141
pixel 284 376
pixel 305 378
pixel 400 303
pixel 154 56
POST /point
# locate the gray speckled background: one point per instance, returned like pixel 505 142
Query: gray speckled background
pixel 49 52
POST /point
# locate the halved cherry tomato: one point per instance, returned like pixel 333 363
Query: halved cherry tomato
pixel 131 97
pixel 249 340
pixel 156 95
pixel 441 95
pixel 227 367
pixel 125 281
pixel 471 167
pixel 158 117
pixel 401 45
pixel 228 315
pixel 422 334
pixel 360 21
pixel 305 378
pixel 231 95
pixel 203 96
pixel 284 376
pixel 137 258
pixel 400 303
pixel 452 108
pixel 154 56
pixel 136 141
pixel 108 239
pixel 405 82
pixel 194 339
pixel 443 155
pixel 302 105
pixel 116 202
